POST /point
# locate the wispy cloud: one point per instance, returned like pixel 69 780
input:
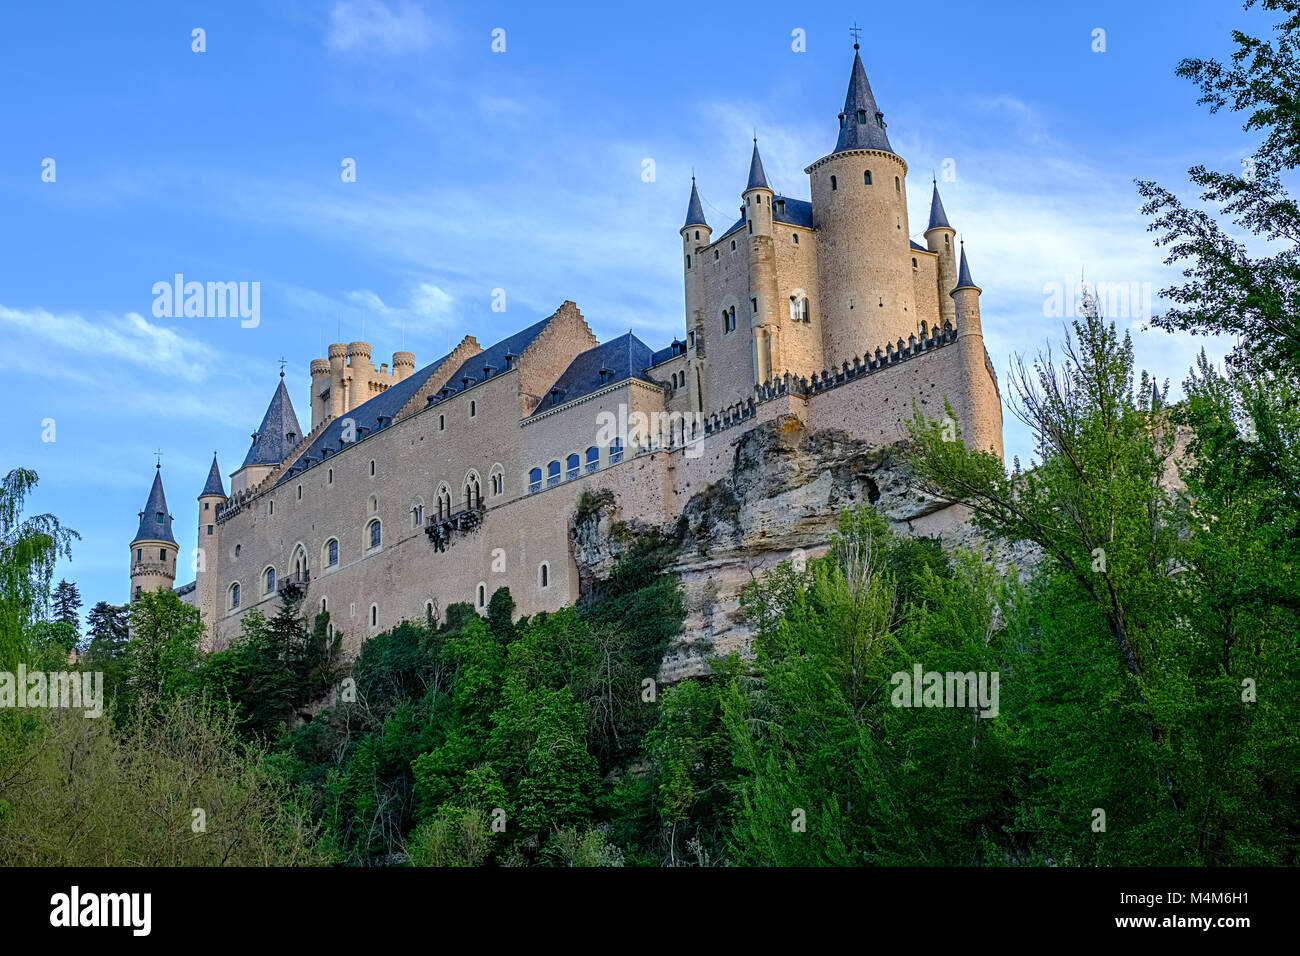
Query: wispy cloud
pixel 372 26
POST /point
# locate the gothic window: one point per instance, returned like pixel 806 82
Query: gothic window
pixel 376 534
pixel 473 492
pixel 234 595
pixel 298 565
pixel 497 479
pixel 417 516
pixel 269 576
pixel 444 500
pixel 543 576
pixel 332 553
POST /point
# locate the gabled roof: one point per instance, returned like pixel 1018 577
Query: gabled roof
pixel 867 130
pixel 667 352
pixel 155 520
pixel 792 212
pixel 390 401
pixel 695 210
pixel 757 178
pixel 917 245
pixel 622 358
pixel 279 432
pixel 938 218
pixel 214 485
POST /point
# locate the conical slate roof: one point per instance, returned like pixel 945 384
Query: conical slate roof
pixel 757 178
pixel 938 218
pixel 963 273
pixel 155 520
pixel 279 432
pixel 214 485
pixel 695 211
pixel 862 125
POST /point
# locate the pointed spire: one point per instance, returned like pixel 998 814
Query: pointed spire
pixel 155 520
pixel 214 485
pixel 279 432
pixel 862 125
pixel 963 272
pixel 695 211
pixel 1156 401
pixel 938 218
pixel 757 178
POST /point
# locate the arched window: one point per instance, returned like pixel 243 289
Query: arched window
pixel 444 500
pixel 473 493
pixel 543 576
pixel 332 553
pixel 805 314
pixel 298 565
pixel 697 234
pixel 535 480
pixel 593 459
pixel 376 534
pixel 473 408
pixel 898 185
pixel 372 504
pixel 866 177
pixel 324 605
pixel 372 468
pixel 833 185
pixel 552 474
pixel 688 262
pixel 571 468
pixel 733 245
pixel 417 515
pixel 234 595
pixel 442 422
pixel 300 492
pixel 428 611
pixel 914 262
pixel 374 615
pixel 497 480
pixel 269 577
pixel 482 595
pixel 616 451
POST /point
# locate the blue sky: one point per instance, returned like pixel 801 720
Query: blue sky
pixel 518 170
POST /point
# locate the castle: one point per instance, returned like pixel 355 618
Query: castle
pixel 414 489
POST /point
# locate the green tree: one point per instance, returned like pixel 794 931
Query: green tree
pixel 164 648
pixel 65 603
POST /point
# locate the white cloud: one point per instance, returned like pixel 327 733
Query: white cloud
pixel 358 26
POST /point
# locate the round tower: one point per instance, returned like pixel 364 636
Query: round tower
pixel 978 404
pixel 208 558
pixel 153 549
pixel 764 317
pixel 696 237
pixel 320 389
pixel 338 353
pixel 403 365
pixel 941 239
pixel 859 198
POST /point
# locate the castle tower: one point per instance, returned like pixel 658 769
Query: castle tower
pixel 696 236
pixel 403 365
pixel 321 383
pixel 153 550
pixel 941 239
pixel 278 435
pixel 208 559
pixel 979 402
pixel 338 353
pixel 764 316
pixel 859 199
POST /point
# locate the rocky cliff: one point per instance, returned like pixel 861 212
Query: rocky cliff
pixel 781 499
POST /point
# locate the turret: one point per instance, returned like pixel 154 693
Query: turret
pixel 320 391
pixel 941 239
pixel 153 550
pixel 338 353
pixel 696 236
pixel 764 318
pixel 403 365
pixel 977 402
pixel 208 558
pixel 859 199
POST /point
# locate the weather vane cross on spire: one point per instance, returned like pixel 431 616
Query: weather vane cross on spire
pixel 283 363
pixel 158 455
pixel 855 32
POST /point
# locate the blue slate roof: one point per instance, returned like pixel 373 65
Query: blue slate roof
pixel 757 178
pixel 793 212
pixel 963 273
pixel 623 358
pixel 214 485
pixel 155 520
pixel 279 432
pixel 695 211
pixel 677 347
pixel 917 245
pixel 390 401
pixel 862 125
pixel 937 216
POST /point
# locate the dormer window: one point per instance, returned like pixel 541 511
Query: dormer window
pixel 555 396
pixel 160 517
pixel 510 361
pixel 862 116
pixel 604 376
pixel 880 120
